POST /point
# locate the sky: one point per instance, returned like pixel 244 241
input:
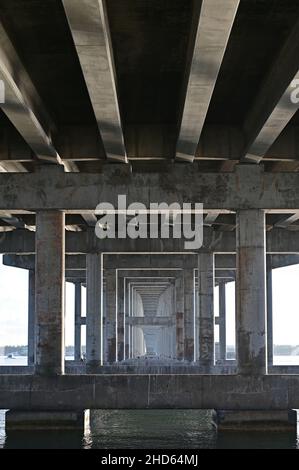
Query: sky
pixel 14 301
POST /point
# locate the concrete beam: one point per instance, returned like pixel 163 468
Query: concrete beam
pixel 214 27
pixel 51 188
pixel 150 321
pixel 172 391
pixel 273 107
pixel 279 241
pixel 23 105
pixel 89 26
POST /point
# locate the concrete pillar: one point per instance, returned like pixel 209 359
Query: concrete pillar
pixel 222 320
pixel 121 319
pixel 179 309
pixel 49 292
pixel 189 314
pixel 78 311
pixel 269 318
pixel 94 300
pixel 251 293
pixel 111 323
pixel 31 317
pixel 127 326
pixel 206 309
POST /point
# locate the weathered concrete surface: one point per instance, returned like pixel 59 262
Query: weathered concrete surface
pixel 49 288
pixel 46 420
pixel 253 420
pixel 251 293
pixel 71 392
pixel 222 320
pixel 94 310
pixel 214 26
pixel 188 275
pixel 111 320
pixel 269 317
pixel 279 241
pixel 179 309
pixel 91 35
pixel 51 188
pixel 120 308
pixel 31 317
pixel 73 367
pixel 206 309
pixel 78 321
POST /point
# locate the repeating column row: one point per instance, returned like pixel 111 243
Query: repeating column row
pixel 118 342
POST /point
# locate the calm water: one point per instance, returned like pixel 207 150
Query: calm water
pixel 145 429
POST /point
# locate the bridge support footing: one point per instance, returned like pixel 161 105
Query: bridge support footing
pixel 251 420
pixel 46 420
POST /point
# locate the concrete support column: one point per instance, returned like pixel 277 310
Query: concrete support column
pixel 94 300
pixel 269 318
pixel 206 309
pixel 127 326
pixel 121 319
pixel 222 320
pixel 189 314
pixel 31 317
pixel 49 292
pixel 251 293
pixel 179 309
pixel 78 312
pixel 111 323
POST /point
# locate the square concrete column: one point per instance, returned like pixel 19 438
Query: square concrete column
pixel 78 321
pixel 206 309
pixel 126 311
pixel 111 323
pixel 251 293
pixel 31 317
pixel 179 312
pixel 269 318
pixel 121 319
pixel 222 320
pixel 49 292
pixel 94 308
pixel 189 314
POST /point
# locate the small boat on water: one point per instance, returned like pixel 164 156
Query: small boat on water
pixel 10 356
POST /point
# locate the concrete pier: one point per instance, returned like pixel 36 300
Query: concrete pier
pixel 78 321
pixel 94 308
pixel 251 293
pixel 206 310
pixel 269 317
pixel 49 288
pixel 120 309
pixel 31 317
pixel 222 320
pixel 111 318
pixel 188 276
pixel 179 309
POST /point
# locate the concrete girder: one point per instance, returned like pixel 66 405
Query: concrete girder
pixel 51 188
pixel 181 391
pixel 150 321
pixel 214 26
pixel 89 26
pixel 279 241
pixel 273 107
pixel 24 108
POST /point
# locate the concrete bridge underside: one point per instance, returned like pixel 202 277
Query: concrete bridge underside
pixel 204 110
